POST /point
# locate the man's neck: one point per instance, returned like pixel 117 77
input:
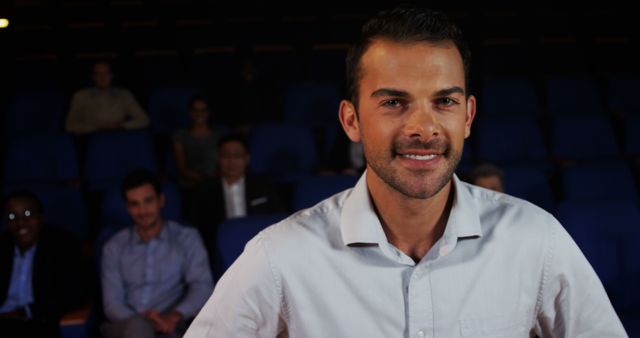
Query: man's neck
pixel 232 180
pixel 24 248
pixel 412 225
pixel 150 232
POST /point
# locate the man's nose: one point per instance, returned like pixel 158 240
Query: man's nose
pixel 422 123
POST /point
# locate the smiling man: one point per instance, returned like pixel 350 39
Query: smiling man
pixel 155 274
pixel 410 251
pixel 40 271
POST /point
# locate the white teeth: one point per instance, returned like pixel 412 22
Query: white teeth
pixel 420 157
pixel 23 231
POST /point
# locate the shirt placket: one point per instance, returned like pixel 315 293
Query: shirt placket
pixel 420 303
pixel 25 282
pixel 149 273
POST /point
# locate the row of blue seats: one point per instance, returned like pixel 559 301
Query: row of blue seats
pixel 317 104
pixel 110 156
pixel 513 139
pixel 66 206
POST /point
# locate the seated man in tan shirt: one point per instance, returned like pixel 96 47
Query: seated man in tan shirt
pixel 104 107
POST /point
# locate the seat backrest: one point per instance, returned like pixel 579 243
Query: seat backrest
pixel 529 183
pixel 35 112
pixel 314 189
pixel 509 95
pixel 599 182
pixel 573 95
pixel 598 229
pixel 282 151
pixel 588 137
pixel 233 235
pixel 525 141
pixel 46 158
pixel 312 104
pixel 65 208
pixel 112 155
pixel 168 109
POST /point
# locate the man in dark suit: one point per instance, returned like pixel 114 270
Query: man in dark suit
pixel 234 194
pixel 40 271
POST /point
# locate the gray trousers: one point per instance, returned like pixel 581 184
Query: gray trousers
pixel 137 327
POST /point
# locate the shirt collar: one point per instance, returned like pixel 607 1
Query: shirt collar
pixel 27 254
pixel 360 223
pixel 162 236
pixel 238 183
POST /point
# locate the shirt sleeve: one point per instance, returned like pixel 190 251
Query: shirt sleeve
pixel 197 276
pixel 76 122
pixel 247 301
pixel 137 117
pixel 572 300
pixel 113 293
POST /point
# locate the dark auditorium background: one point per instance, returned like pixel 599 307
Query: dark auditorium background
pixel 557 88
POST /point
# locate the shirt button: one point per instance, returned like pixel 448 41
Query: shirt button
pixel 421 334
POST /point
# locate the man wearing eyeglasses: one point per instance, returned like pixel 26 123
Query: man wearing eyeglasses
pixel 40 274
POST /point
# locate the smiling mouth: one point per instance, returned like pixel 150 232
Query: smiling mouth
pixel 420 157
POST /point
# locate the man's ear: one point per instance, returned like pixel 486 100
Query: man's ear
pixel 471 114
pixel 162 200
pixel 349 120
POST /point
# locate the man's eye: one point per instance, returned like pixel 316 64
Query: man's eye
pixel 392 103
pixel 446 101
pixel 11 216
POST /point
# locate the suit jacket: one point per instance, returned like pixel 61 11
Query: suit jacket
pixel 209 207
pixel 57 278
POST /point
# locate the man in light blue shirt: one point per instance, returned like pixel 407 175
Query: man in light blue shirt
pixel 20 293
pixel 155 275
pixel 410 251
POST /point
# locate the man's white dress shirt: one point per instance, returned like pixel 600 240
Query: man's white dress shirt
pixel 503 268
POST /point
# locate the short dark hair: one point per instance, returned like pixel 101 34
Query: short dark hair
pixel 138 178
pixel 233 138
pixel 404 24
pixel 485 170
pixel 195 98
pixel 102 62
pixel 27 196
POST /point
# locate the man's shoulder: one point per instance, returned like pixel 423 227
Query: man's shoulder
pixel 180 229
pixel 317 225
pixel 82 93
pixel 119 238
pixel 121 91
pixel 501 209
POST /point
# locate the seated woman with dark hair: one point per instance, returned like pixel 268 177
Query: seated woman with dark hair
pixel 195 148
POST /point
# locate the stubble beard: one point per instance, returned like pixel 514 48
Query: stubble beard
pixel 415 184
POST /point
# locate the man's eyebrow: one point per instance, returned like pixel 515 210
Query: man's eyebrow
pixel 449 91
pixel 389 92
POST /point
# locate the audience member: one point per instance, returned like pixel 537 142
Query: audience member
pixel 104 107
pixel 487 176
pixel 196 148
pixel 155 274
pixel 235 193
pixel 41 275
